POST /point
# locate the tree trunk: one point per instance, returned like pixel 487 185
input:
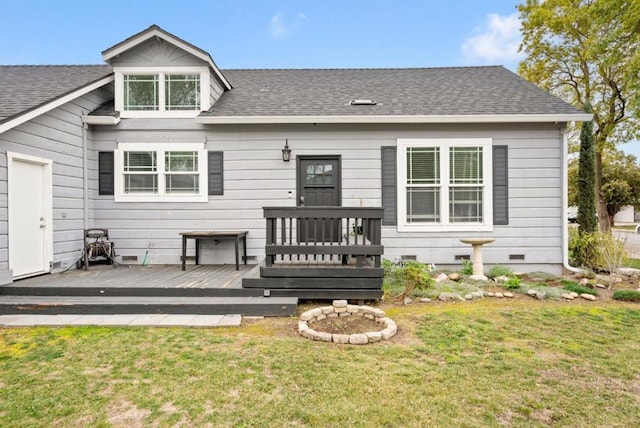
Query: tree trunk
pixel 603 216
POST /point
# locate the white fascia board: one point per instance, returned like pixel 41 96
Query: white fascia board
pixel 513 118
pixel 19 120
pixel 100 120
pixel 174 41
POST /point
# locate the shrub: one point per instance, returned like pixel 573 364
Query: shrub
pixel 577 288
pixel 512 283
pixel 497 270
pixel 467 267
pixel 627 295
pixel 415 275
pixel 596 251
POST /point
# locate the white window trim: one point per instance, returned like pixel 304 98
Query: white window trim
pixel 205 86
pixel 161 196
pixel 444 144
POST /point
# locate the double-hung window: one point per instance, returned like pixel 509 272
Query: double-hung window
pixel 444 184
pixel 160 172
pixel 147 92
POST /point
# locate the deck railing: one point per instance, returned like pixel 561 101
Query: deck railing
pixel 323 233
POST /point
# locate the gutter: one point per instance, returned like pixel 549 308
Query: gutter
pixel 355 119
pixel 565 202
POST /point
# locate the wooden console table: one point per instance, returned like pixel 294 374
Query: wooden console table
pixel 236 235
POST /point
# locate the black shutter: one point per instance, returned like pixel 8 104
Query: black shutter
pixel 105 173
pixel 216 173
pixel 389 185
pixel 500 185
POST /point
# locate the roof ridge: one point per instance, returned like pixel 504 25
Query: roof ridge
pixel 55 65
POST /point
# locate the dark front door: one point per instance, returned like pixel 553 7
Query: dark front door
pixel 319 184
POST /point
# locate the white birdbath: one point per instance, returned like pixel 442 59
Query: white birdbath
pixel 476 244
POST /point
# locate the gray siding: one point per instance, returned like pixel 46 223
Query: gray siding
pixel 56 135
pixel 256 176
pixel 156 53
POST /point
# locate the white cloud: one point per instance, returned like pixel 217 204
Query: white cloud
pixel 497 41
pixel 279 28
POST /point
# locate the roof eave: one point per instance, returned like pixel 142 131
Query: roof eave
pixel 101 120
pixel 49 105
pixel 499 118
pixel 155 31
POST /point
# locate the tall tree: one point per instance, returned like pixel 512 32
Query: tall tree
pixel 587 180
pixel 588 53
pixel 620 182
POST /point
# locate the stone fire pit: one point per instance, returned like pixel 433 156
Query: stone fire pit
pixel 340 308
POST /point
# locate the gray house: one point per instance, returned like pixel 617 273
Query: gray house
pixel 160 141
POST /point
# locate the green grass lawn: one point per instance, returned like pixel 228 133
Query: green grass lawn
pixel 486 363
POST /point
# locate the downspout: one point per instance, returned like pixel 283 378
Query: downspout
pixel 565 201
pixel 85 177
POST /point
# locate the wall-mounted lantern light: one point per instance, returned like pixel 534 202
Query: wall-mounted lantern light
pixel 286 152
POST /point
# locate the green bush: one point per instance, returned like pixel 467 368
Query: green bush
pixel 596 250
pixel 512 283
pixel 497 270
pixel 627 295
pixel 416 275
pixel 467 267
pixel 577 288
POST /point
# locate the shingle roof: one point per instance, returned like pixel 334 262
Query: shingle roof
pixel 491 90
pixel 24 87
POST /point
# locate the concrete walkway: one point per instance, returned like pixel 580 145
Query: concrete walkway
pixel 149 320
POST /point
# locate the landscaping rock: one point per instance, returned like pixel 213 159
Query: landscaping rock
pixel 374 336
pixel 352 309
pixel 490 294
pixel 327 310
pixel 338 310
pixel 574 294
pixel 321 317
pixel 501 279
pixel 341 338
pixel 343 314
pixel 468 296
pixel 441 277
pixel 628 271
pixel 425 300
pixel 302 326
pixel 407 301
pixel 322 336
pixel 388 333
pixel 499 295
pixel 601 286
pixel 588 296
pixel 531 292
pixel 315 312
pixel 508 294
pixel 358 339
pixel 332 315
pixel 584 282
pixel 609 278
pixel 365 309
pixel 340 304
pixel 541 295
pixel 450 297
pixel 455 276
pixel 479 294
pixel 379 313
pixel 306 316
pixel 567 296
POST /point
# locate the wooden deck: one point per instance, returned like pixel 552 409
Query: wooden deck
pixel 156 276
pixel 202 289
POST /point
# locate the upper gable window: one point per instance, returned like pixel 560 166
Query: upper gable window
pixel 178 92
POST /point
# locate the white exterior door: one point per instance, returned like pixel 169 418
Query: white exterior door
pixel 30 216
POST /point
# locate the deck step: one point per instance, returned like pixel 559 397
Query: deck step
pixel 313 283
pixel 59 305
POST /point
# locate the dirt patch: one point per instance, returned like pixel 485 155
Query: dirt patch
pixel 346 325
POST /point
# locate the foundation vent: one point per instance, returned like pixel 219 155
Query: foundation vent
pixel 459 257
pixel 408 257
pixel 516 256
pixel 129 259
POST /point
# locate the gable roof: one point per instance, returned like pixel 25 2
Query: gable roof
pixel 451 94
pixel 156 31
pixel 26 89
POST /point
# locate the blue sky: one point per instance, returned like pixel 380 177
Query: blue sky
pixel 273 33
